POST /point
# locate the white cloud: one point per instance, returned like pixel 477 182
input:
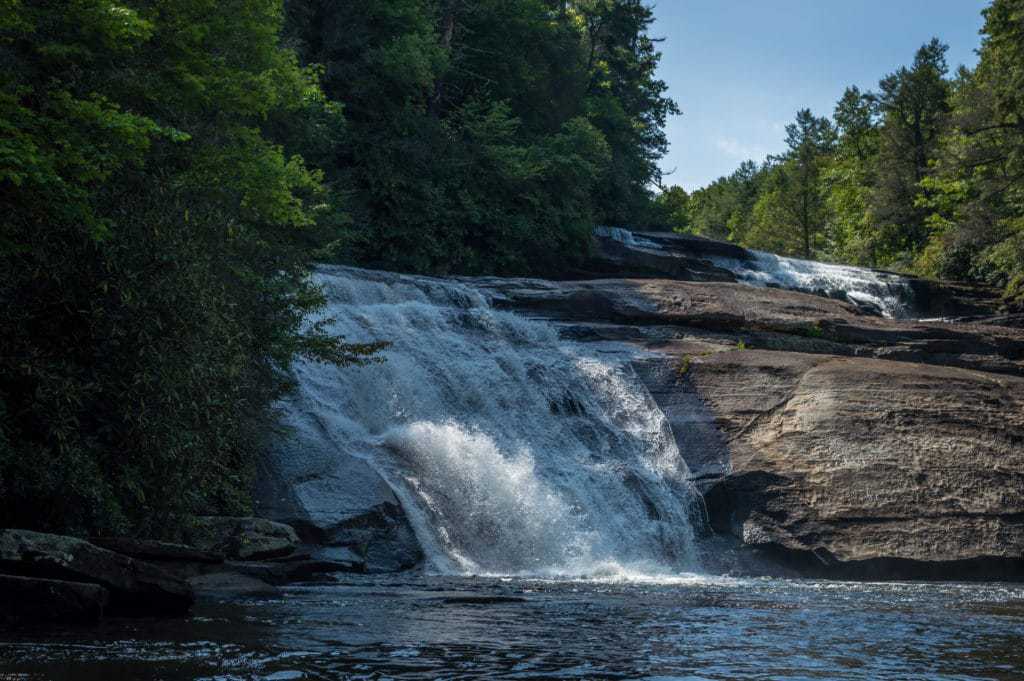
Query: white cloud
pixel 732 147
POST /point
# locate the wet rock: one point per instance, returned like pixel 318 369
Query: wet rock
pixel 229 585
pixel 136 587
pixel 156 551
pixel 617 253
pixel 242 538
pixel 659 254
pixel 28 599
pixel 952 299
pixel 341 554
pixel 287 572
pixel 333 498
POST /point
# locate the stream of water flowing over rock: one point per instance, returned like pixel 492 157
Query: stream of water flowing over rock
pixel 512 451
pixel 886 293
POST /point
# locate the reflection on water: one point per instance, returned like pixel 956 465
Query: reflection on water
pixel 422 627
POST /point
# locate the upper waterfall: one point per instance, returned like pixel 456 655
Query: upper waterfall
pixel 884 293
pixel 512 451
pixel 887 293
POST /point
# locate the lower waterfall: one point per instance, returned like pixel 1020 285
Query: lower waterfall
pixel 512 450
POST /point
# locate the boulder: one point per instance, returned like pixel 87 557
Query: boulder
pixel 136 587
pixel 28 599
pixel 242 538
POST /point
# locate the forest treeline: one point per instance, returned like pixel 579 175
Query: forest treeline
pixel 170 170
pixel 925 174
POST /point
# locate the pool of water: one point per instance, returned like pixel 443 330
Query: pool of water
pixel 427 627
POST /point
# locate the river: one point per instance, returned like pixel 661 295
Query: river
pixel 417 626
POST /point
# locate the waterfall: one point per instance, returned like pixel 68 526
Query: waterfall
pixel 512 450
pixel 885 293
pixel 888 294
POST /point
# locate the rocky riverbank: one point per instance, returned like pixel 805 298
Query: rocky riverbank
pixel 55 578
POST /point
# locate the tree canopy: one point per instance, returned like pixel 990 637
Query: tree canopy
pixel 170 170
pixel 922 175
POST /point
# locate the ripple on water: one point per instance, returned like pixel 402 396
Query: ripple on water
pixel 601 626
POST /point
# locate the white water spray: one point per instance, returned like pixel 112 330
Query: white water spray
pixel 512 450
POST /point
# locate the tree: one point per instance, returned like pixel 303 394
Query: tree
pixel 150 239
pixel 849 178
pixel 722 210
pixel 790 216
pixel 913 103
pixel 976 195
pixel 673 204
pixel 625 101
pixel 487 136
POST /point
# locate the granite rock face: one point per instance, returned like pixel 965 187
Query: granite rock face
pixel 861 467
pixel 666 310
pixel 663 255
pixel 825 437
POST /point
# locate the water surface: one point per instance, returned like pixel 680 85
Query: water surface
pixel 425 627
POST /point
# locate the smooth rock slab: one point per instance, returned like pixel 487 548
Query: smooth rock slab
pixel 333 498
pixel 135 587
pixel 28 599
pixel 853 466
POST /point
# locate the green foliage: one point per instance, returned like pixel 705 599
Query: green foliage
pixel 723 209
pixel 672 207
pixel 790 210
pixel 151 243
pixel 169 169
pixel 976 193
pixel 486 136
pixel 924 175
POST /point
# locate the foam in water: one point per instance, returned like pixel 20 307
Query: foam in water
pixel 512 451
pixel 626 237
pixel 889 294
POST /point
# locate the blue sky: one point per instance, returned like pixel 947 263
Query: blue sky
pixel 740 69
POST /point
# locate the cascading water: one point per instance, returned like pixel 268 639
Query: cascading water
pixel 888 294
pixel 512 450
